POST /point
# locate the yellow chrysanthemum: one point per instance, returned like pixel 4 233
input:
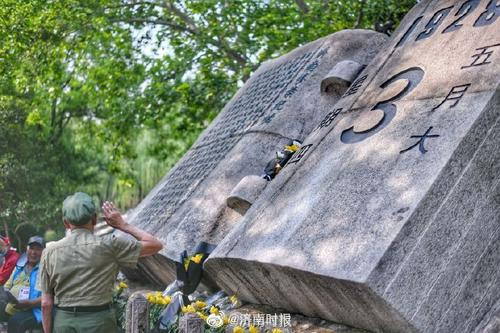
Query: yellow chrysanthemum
pixel 123 285
pixel 197 258
pixel 200 304
pixel 234 299
pixel 293 148
pixel 238 329
pixel 253 329
pixel 163 301
pixel 214 310
pixel 150 297
pixel 188 309
pixel 276 330
pixel 166 300
pixel 202 315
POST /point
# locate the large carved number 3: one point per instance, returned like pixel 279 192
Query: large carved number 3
pixel 413 75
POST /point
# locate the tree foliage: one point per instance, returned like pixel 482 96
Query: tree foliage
pixel 104 96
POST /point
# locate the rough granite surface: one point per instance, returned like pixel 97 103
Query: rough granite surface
pixel 388 218
pixel 281 101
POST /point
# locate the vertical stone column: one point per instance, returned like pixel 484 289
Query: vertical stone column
pixel 137 314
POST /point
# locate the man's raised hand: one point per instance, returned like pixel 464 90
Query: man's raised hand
pixel 112 215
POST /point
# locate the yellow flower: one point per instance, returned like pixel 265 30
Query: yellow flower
pixel 166 300
pixel 293 148
pixel 188 309
pixel 225 320
pixel 214 310
pixel 238 329
pixel 202 315
pixel 123 285
pixel 157 298
pixel 253 329
pixel 200 304
pixel 233 299
pixel 276 330
pixel 197 258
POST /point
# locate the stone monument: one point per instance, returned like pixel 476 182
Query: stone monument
pixel 388 217
pixel 282 101
pixel 137 314
pixel 191 323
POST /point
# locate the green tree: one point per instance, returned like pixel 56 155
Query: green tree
pixel 69 82
pixel 105 96
pixel 201 51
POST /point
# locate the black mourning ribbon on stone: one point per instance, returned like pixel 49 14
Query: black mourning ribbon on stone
pixel 187 282
pixel 274 166
pixel 192 277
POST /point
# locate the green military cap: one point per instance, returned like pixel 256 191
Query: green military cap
pixel 78 208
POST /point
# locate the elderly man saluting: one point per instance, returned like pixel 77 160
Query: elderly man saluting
pixel 77 273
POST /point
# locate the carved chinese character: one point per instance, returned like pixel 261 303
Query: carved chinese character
pixel 329 118
pixel 322 53
pixel 312 66
pixel 279 106
pixel 355 86
pixel 300 154
pixel 481 58
pixel 290 92
pixel 421 141
pixel 456 93
pixel 268 118
pixel 302 78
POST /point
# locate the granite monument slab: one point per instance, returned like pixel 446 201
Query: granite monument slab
pixel 280 102
pixel 387 219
